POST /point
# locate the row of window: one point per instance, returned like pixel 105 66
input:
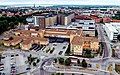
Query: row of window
pixel 88 23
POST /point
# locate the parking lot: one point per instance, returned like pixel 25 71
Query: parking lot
pixel 10 62
pixel 56 48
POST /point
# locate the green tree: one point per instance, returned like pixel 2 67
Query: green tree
pixel 52 74
pixel 34 64
pixel 96 33
pixel 68 62
pixel 68 50
pixel 38 60
pixel 61 61
pixel 78 61
pixel 57 73
pixel 0 57
pixel 84 63
pixel 73 74
pixel 118 37
pixel 51 51
pixel 62 73
pixel 55 60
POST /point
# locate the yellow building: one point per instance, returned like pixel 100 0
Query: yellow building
pixel 68 19
pixel 50 20
pixel 77 45
pixel 78 42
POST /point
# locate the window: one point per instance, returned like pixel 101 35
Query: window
pixel 91 27
pixel 90 23
pixel 81 23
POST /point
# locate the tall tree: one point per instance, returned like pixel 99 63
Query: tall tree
pixel 84 63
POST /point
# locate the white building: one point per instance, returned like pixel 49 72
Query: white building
pixel 88 26
pixel 37 20
pixel 116 25
pixel 68 19
pixel 111 31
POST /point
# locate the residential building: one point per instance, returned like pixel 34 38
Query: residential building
pixel 79 43
pixel 64 19
pixel 45 20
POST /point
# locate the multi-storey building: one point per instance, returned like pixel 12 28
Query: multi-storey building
pixel 88 27
pixel 64 19
pixel 111 31
pixel 45 20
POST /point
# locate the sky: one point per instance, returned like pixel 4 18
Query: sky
pixel 61 2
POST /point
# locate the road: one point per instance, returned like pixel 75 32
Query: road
pixel 104 41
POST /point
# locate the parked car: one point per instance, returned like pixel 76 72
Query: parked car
pixel 1 68
pixel 28 68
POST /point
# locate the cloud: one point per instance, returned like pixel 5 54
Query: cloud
pixel 77 2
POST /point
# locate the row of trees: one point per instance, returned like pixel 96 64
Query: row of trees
pixel 67 62
pixel 62 74
pixel 32 60
pixel 57 74
pixel 87 53
pixel 117 16
pixel 63 61
pixel 7 23
pixel 101 48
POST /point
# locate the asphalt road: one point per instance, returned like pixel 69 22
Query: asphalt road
pixel 103 40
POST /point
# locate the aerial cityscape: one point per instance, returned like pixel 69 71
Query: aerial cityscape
pixel 60 37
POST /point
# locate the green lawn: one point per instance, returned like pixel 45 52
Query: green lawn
pixel 117 68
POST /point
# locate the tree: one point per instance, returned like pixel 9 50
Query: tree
pixel 88 53
pixel 55 60
pixel 12 25
pixel 78 61
pixel 61 61
pixel 96 33
pixel 0 57
pixel 73 74
pixel 84 63
pixel 113 53
pixel 34 64
pixel 38 60
pixel 68 50
pixel 57 73
pixel 118 37
pixel 31 59
pixel 7 23
pixel 62 73
pixel 68 62
pixel 52 74
pixel 51 51
pixel 117 16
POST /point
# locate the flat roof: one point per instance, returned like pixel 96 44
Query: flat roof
pixel 111 27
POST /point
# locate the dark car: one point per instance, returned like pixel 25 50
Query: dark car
pixel 16 55
pixel 60 52
pixel 12 55
pixel 1 64
pixel 28 68
pixel 13 67
pixel 2 57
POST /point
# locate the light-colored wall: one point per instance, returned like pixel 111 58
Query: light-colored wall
pixel 77 49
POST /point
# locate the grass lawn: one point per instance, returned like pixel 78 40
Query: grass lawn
pixel 1 49
pixel 117 68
